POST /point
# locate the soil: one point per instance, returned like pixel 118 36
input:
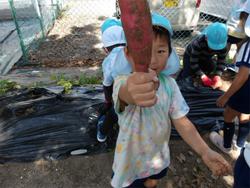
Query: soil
pixel 186 171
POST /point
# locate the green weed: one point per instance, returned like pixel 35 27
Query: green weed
pixel 7 85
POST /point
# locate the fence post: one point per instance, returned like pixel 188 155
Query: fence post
pixel 40 16
pixel 13 12
pixel 57 8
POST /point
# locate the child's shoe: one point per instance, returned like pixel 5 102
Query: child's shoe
pixel 235 153
pixel 100 137
pixel 217 140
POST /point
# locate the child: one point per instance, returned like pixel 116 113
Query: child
pixel 124 67
pixel 145 107
pixel 237 100
pixel 198 57
pixel 235 24
pixel 242 169
pixel 113 35
pixel 113 39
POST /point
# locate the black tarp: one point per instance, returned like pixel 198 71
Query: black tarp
pixel 44 123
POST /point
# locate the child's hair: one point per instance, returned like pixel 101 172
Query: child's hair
pixel 162 32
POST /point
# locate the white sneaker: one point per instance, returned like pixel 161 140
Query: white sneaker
pixel 235 142
pixel 217 140
pixel 235 152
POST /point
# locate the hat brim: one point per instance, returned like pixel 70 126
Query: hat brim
pixel 216 46
pixel 247 154
pixel 247 26
pixel 172 64
pixel 113 35
pixel 165 27
pixel 245 7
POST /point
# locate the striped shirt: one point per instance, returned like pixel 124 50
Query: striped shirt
pixel 243 56
pixel 199 52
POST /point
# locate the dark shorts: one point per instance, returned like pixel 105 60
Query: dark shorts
pixel 241 172
pixel 139 183
pixel 240 101
pixel 233 40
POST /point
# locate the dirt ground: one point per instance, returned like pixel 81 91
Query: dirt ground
pixel 75 43
pixel 186 171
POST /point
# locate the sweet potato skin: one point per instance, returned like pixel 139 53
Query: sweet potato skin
pixel 136 21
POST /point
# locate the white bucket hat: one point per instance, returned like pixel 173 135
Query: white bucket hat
pixel 246 8
pixel 112 32
pixel 247 26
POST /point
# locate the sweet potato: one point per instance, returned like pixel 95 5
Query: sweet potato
pixel 136 21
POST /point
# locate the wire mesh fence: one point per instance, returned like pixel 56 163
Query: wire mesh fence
pixel 58 32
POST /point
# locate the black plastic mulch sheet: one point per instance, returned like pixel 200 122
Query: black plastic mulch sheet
pixel 204 113
pixel 44 123
pixel 38 124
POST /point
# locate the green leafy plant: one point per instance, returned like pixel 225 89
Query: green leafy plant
pixel 7 85
pixel 66 84
pixel 81 80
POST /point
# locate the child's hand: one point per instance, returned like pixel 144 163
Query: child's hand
pixel 142 88
pixel 221 101
pixel 216 163
pixel 217 83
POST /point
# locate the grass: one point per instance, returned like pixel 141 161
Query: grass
pixel 68 82
pixel 7 85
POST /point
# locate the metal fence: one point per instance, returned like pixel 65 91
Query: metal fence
pixel 23 25
pixel 53 32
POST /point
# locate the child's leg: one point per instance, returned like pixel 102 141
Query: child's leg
pixel 244 129
pixel 110 119
pixel 241 173
pixel 151 183
pixel 229 127
pixel 102 125
pixel 108 90
pixel 185 72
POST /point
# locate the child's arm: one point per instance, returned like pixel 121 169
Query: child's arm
pixel 238 82
pixel 214 161
pixel 139 89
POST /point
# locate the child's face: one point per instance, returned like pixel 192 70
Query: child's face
pixel 160 54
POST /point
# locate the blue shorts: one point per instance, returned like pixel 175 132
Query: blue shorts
pixel 240 101
pixel 139 183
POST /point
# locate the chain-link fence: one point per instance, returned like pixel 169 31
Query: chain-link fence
pixel 23 25
pixel 71 28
